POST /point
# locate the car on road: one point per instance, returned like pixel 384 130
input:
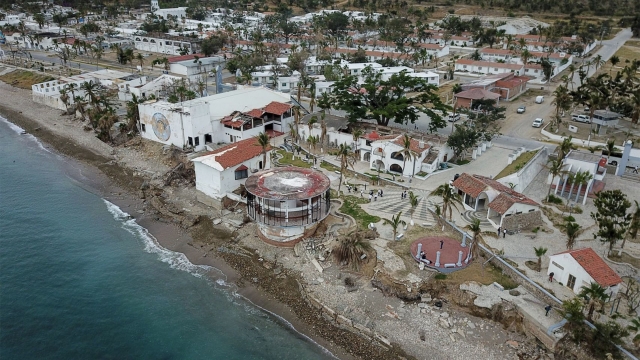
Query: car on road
pixel 539 99
pixel 537 122
pixel 581 118
pixel 521 109
pixel 454 117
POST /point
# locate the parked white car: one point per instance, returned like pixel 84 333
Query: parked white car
pixel 581 118
pixel 537 122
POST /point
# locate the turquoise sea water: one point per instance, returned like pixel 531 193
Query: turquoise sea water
pixel 79 280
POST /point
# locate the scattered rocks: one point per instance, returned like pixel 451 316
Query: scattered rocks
pixel 514 292
pixel 512 344
pixel 217 221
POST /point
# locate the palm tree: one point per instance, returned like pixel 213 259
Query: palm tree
pixel 263 140
pixel 413 201
pixel 635 223
pixel 313 141
pixel 555 169
pixel 65 100
pixel 525 55
pixel 345 155
pixel 407 153
pixel 572 71
pixel 140 60
pixel 296 121
pixel 475 229
pixel 133 114
pixel 635 327
pixel 611 147
pixel 91 90
pixel 540 253
pixel 450 198
pixel 293 133
pixel 350 249
pixel 438 212
pixel 395 223
pixel 81 106
pixel 614 60
pixel 583 179
pixel 598 61
pixel 565 147
pixel 573 231
pixel 323 130
pixel 562 100
pixel 595 294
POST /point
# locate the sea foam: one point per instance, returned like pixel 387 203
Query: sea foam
pixel 21 131
pixel 175 259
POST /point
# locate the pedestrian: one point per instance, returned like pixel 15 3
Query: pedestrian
pixel 504 233
pixel 441 243
pixel 499 230
pixel 551 277
pixel 361 193
pixel 547 308
pixel 375 197
pixel 349 188
pixel 402 196
pixel 635 169
pixel 370 197
pixel 381 192
pixel 355 189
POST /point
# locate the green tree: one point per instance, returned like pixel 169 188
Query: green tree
pixel 407 153
pixel 594 294
pixel 450 198
pixel 386 100
pixel 211 45
pixel 572 311
pixel 563 101
pixel 573 230
pixel 395 223
pixel 540 251
pixel 346 159
pixel 133 114
pixel 474 226
pixel 462 139
pixel 604 337
pixel 263 141
pixel 611 216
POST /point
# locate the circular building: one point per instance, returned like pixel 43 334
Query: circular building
pixel 287 203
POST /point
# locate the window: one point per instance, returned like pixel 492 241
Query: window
pixel 144 127
pixel 495 69
pixel 190 141
pixel 242 173
pixel 197 140
pixel 464 66
pixel 571 282
pixel 284 84
pixel 479 67
pixel 557 265
pixel 260 165
pixel 208 138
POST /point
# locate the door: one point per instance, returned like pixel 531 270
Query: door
pixel 571 282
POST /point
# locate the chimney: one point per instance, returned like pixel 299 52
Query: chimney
pixel 421 144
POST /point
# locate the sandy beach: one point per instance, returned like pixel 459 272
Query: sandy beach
pixel 270 278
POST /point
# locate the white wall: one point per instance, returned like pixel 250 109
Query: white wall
pixel 217 184
pixel 563 265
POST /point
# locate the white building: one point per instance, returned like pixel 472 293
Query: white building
pixel 195 69
pixel 226 117
pixel 48 93
pixel 385 155
pixel 179 12
pixel 578 268
pixel 505 207
pixel 487 67
pixel 154 87
pixel 166 44
pixel 223 170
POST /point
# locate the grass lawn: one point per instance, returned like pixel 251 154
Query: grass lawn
pixel 287 159
pixel 486 276
pixel 517 164
pixel 328 166
pixel 24 79
pixel 351 206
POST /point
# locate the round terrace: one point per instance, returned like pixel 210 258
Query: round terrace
pixel 442 253
pixel 287 203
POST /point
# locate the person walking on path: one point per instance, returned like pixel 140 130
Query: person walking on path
pixel 551 277
pixel 635 169
pixel 361 193
pixel 499 230
pixel 375 197
pixel 441 243
pixel 504 233
pixel 370 197
pixel 547 308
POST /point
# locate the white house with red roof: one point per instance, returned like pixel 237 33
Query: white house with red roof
pixel 504 206
pixel 221 171
pixel 387 154
pixel 580 267
pixel 221 118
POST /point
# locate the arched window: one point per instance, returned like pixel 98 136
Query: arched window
pixel 242 172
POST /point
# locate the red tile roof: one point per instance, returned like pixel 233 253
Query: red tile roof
pixel 233 123
pixel 475 184
pixel 595 266
pixel 277 108
pixel 256 113
pixel 415 145
pixel 489 64
pixel 477 94
pixel 372 136
pixel 236 153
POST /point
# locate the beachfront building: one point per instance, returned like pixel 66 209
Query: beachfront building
pixel 578 268
pixel 48 93
pixel 221 118
pixel 503 206
pixel 221 171
pixel 287 203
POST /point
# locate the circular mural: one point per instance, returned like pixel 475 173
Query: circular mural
pixel 161 127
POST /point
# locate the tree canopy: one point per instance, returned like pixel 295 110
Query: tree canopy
pixel 400 99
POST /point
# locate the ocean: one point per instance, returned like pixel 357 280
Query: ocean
pixel 79 279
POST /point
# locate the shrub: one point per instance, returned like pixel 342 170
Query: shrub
pixel 441 276
pixel 349 282
pixel 569 218
pixel 535 231
pixel 554 199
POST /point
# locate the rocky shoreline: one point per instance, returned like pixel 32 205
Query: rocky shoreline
pixel 370 323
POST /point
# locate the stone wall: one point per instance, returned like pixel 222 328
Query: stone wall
pixel 524 221
pixel 523 177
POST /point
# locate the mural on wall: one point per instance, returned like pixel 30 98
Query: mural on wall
pixel 161 127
